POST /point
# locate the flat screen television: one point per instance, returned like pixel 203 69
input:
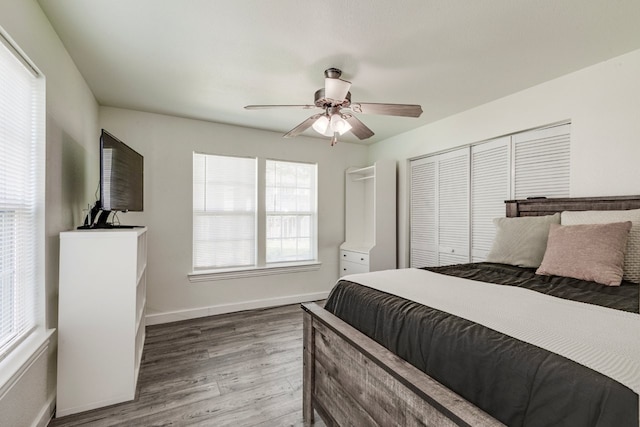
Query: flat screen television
pixel 121 176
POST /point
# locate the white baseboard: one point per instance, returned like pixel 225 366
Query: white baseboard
pixel 175 316
pixel 46 414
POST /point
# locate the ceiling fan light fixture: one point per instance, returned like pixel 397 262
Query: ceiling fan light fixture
pixel 338 124
pixel 333 125
pixel 322 125
pixel 336 89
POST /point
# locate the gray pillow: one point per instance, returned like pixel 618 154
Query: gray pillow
pixel 632 257
pixel 593 252
pixel 521 241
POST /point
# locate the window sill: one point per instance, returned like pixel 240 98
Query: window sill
pixel 236 273
pixel 22 357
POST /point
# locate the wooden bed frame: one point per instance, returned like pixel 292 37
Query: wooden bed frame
pixel 349 379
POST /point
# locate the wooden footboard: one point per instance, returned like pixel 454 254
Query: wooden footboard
pixel 349 379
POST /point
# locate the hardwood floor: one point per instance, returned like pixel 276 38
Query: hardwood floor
pixel 239 369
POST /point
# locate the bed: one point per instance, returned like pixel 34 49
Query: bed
pixel 362 366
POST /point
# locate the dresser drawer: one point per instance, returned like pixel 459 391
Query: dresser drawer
pixel 357 257
pixel 347 267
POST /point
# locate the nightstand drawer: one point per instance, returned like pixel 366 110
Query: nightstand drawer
pixel 347 267
pixel 356 257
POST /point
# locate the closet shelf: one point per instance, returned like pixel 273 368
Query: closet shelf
pixel 363 178
pixel 366 170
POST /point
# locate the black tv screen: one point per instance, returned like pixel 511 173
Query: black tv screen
pixel 121 175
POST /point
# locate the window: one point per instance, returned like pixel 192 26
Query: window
pixel 224 211
pixel 290 209
pixel 252 213
pixel 21 197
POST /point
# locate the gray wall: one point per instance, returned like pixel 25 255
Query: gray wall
pixel 71 176
pixel 167 144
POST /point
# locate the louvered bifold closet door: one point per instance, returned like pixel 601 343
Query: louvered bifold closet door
pixel 453 207
pixel 490 178
pixel 423 213
pixel 541 162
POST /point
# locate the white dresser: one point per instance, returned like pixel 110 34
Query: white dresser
pixel 101 328
pixel 370 219
pixel 354 261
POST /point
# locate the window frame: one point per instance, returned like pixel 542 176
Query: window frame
pixel 252 215
pixel 19 353
pixel 261 267
pixel 312 212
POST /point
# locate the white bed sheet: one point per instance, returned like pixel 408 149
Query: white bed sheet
pixel 603 339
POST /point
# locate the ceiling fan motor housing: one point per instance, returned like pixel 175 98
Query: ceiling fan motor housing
pixel 332 73
pixel 323 102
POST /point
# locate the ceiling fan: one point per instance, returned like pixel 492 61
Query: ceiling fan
pixel 338 115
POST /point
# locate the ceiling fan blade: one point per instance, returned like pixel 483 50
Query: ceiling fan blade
pixel 265 107
pixel 336 89
pixel 302 126
pixel 358 128
pixel 405 110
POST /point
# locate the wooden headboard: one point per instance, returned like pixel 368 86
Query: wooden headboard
pixel 542 206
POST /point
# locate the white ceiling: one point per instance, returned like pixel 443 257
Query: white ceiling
pixel 206 59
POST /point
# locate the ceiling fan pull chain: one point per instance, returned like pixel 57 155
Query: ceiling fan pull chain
pixel 334 139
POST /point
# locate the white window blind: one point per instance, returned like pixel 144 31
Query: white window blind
pixel 22 155
pixel 290 203
pixel 224 211
pixel 541 162
pixel 490 170
pixel 252 213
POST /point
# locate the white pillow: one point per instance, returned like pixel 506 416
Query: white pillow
pixel 632 257
pixel 521 241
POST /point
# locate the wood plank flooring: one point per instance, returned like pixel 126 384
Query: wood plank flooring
pixel 239 369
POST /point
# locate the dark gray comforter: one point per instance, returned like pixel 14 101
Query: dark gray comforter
pixel 516 382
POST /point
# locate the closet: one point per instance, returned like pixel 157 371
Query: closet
pixel 370 218
pixel 455 195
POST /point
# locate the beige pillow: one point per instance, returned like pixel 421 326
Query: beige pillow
pixel 521 241
pixel 593 252
pixel 632 257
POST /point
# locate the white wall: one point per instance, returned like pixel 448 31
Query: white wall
pixel 72 147
pixel 167 144
pixel 602 102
